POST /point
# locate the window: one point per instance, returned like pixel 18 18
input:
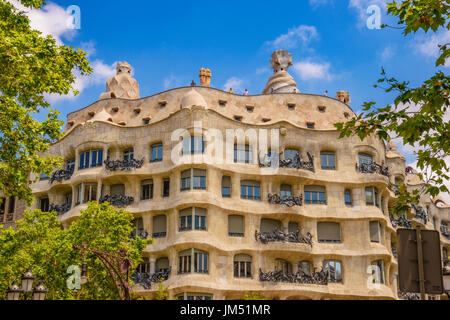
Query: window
pixel 147 189
pixel 315 195
pixel 117 190
pixel 242 266
pixel 198 177
pixel 283 266
pixel 243 153
pixel 285 191
pixel 166 187
pixel 71 165
pixel 86 192
pixel 321 108
pixel 238 118
pixel 250 190
pixel 193 145
pixel 144 267
pixel 334 269
pixel 270 225
pixel 293 227
pixel 291 106
pixel 226 186
pixel 91 158
pixel 375 231
pixel 162 264
pixel 235 226
pixel 398 181
pixel 159 226
pixel 11 205
pixel 365 159
pixel 305 267
pixel 378 272
pixel 128 155
pixel 291 154
pixel 199 259
pixel 156 152
pixel 328 160
pixel 44 204
pixel 372 196
pixel 328 232
pixel 138 225
pixel 434 222
pixel 194 297
pixel 193 217
pixel 310 125
pixel 348 197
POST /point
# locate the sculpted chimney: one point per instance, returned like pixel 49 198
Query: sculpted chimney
pixel 343 96
pixel 205 77
pixel 122 85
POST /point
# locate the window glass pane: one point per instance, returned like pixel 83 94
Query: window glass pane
pixel 328 232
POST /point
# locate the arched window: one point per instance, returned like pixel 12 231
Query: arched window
pixel 284 266
pixel 365 159
pixel 242 266
pixel 147 189
pixel 378 271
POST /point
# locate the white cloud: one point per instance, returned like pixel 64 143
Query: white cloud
pixel 301 35
pixel 172 81
pixel 51 19
pixel 313 71
pixel 101 72
pixel 235 83
pixel 427 45
pixel 387 53
pixel 262 70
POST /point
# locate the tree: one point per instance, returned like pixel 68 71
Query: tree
pixel 40 243
pixel 417 113
pixel 254 296
pixel 31 66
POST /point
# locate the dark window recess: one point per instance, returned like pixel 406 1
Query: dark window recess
pixel 166 188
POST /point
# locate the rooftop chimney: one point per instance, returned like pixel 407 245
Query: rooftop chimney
pixel 343 96
pixel 205 77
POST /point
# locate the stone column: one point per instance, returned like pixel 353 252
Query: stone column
pixel 236 186
pixel 152 265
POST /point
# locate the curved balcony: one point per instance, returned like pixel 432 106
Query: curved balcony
pixel 119 201
pixel 60 209
pixel 290 201
pixel 297 162
pixel 421 214
pixel 113 165
pixel 320 278
pixel 445 233
pixel 146 279
pixel 401 222
pixel 141 234
pixel 60 175
pixel 372 168
pixel 280 236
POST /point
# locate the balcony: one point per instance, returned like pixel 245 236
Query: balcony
pixel 120 201
pixel 296 163
pixel 408 296
pixel 60 209
pixel 142 234
pixel 280 236
pixel 113 165
pixel 60 175
pixel 372 168
pixel 146 279
pixel 446 267
pixel 320 278
pixel 401 222
pixel 445 232
pixel 159 234
pixel 394 252
pixel 421 214
pixel 290 201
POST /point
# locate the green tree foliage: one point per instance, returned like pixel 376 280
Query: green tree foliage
pixel 417 113
pixel 41 243
pixel 254 296
pixel 163 291
pixel 31 66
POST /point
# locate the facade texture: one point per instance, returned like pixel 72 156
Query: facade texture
pixel 316 227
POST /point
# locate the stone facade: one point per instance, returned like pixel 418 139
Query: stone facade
pixel 252 228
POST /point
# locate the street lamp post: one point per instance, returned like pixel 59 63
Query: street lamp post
pixel 38 293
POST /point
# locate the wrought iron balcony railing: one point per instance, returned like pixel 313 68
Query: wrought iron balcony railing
pixel 401 222
pixel 297 162
pixel 113 165
pixel 159 234
pixel 320 278
pixel 117 200
pixel 60 209
pixel 146 279
pixel 372 168
pixel 60 175
pixel 445 232
pixel 290 201
pixel 141 234
pixel 10 217
pixel 446 267
pixel 408 296
pixel 421 214
pixel 394 252
pixel 280 236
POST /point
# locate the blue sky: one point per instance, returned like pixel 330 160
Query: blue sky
pixel 167 42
